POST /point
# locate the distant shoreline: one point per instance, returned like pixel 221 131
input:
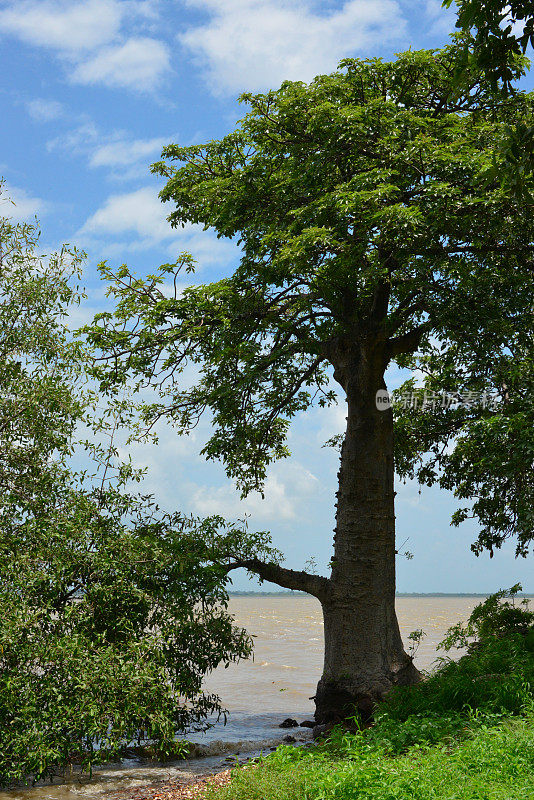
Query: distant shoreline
pixel 398 594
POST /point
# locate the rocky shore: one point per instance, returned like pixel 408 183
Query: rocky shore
pixel 189 785
pixel 193 788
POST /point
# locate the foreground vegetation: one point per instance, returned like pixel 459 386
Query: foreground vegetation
pixel 112 612
pixel 496 760
pixel 466 733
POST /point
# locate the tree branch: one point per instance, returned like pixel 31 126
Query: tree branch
pixel 288 578
pixel 408 342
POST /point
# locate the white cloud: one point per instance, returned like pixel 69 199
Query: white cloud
pixel 92 40
pixel 80 140
pixel 141 217
pixel 332 420
pixel 123 153
pixel 256 44
pixel 23 207
pixel 286 487
pixel 126 158
pixel 43 110
pixel 139 212
pixel 138 64
pixel 63 26
pixel 442 20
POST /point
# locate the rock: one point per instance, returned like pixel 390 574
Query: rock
pixel 322 730
pixel 289 723
pixel 308 723
pixel 289 739
pixel 318 731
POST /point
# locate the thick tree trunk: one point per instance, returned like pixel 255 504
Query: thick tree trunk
pixel 364 655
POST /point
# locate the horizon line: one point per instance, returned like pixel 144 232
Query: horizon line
pixel 294 593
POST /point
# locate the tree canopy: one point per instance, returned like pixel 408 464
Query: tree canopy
pixel 363 209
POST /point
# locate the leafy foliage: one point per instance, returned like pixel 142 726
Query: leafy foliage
pixel 502 33
pixel 495 38
pixel 479 442
pixel 496 675
pixel 108 628
pixel 498 617
pixel 112 612
pixel 38 365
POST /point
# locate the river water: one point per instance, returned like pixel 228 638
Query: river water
pixel 277 683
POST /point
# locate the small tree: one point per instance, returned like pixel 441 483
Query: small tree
pixel 112 613
pixel 368 225
pixel 111 617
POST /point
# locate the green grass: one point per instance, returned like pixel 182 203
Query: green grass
pixel 490 760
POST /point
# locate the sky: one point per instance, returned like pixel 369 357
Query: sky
pixel 90 93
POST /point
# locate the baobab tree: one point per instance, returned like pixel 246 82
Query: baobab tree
pixel 368 233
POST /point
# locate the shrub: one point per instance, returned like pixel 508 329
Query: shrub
pixel 107 630
pixel 496 674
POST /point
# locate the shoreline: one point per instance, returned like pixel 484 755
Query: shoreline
pixel 142 778
pixel 291 593
pixel 171 790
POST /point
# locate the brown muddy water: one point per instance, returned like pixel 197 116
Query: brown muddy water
pixel 277 683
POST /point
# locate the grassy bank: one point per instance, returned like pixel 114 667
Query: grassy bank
pixel 491 760
pixel 465 733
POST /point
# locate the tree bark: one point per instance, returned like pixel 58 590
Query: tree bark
pixel 364 654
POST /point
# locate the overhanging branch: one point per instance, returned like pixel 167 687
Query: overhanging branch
pixel 288 578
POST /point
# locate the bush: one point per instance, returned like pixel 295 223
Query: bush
pixel 107 629
pixel 497 673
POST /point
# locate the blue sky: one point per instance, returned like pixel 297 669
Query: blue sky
pixel 90 93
